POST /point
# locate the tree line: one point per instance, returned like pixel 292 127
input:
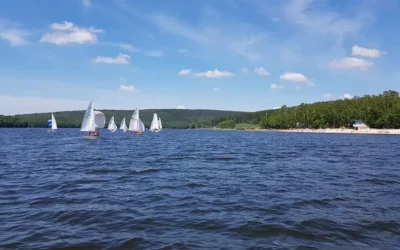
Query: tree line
pixel 171 118
pixel 377 111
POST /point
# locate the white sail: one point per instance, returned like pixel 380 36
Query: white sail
pixel 100 119
pixel 123 125
pixel 135 123
pixel 88 122
pixel 111 125
pixel 53 122
pixel 159 123
pixel 155 126
pixel 141 126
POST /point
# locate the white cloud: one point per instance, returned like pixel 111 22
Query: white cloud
pixel 261 71
pixel 12 34
pixel 128 88
pixel 86 3
pixel 277 86
pixel 184 72
pixel 127 47
pixel 217 89
pixel 154 53
pixel 244 70
pixel 213 74
pixel 346 96
pixel 120 59
pixel 183 51
pixel 180 107
pixel 351 63
pixel 296 77
pixel 365 52
pixel 327 96
pixel 67 33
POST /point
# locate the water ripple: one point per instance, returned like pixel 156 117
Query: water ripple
pixel 198 189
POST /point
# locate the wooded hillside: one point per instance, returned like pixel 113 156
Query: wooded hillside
pixel 171 118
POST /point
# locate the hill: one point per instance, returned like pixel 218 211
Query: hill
pixel 172 118
pixel 378 111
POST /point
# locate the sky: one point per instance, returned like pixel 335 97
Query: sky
pixel 245 55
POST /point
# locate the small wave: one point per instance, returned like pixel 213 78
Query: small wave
pixel 325 225
pixel 204 211
pixel 88 181
pixel 132 243
pixel 43 201
pixel 379 226
pixel 177 245
pixel 221 159
pixel 206 225
pixel 379 181
pixel 79 246
pixel 138 172
pixel 103 171
pixel 317 202
pixel 81 190
pixel 259 230
pixel 194 185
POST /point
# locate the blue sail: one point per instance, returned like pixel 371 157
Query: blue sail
pixel 49 123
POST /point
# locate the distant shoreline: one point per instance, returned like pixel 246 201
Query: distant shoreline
pixel 324 131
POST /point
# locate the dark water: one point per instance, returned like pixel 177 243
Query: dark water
pixel 187 189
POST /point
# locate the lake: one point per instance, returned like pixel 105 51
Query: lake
pixel 198 189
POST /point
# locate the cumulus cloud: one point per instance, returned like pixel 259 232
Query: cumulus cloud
pixel 184 72
pixel 180 107
pixel 217 89
pixel 213 74
pixel 296 77
pixel 332 97
pixel 366 52
pixel 12 34
pixel 128 88
pixel 261 71
pixel 277 86
pixel 120 59
pixel 346 96
pixel 351 63
pixel 67 33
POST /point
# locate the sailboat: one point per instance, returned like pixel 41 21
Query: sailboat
pixel 155 124
pixel 52 123
pixel 123 125
pixel 159 123
pixel 135 124
pixel 92 120
pixel 111 125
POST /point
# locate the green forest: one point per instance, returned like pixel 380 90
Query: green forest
pixel 377 111
pixel 171 118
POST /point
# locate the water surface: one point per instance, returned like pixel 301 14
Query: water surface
pixel 198 189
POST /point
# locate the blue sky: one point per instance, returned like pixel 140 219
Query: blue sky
pixel 215 54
